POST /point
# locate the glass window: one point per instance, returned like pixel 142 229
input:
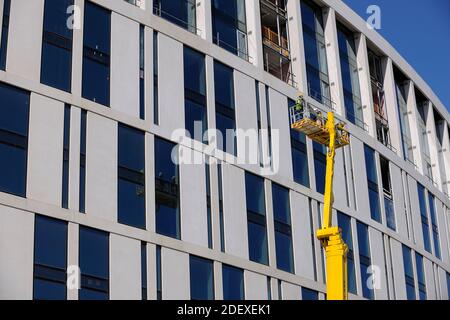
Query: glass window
pixel 283 229
pixel 409 273
pixel 299 155
pixel 225 113
pixel 365 260
pixel 195 94
pixel 421 277
pixel 372 181
pixel 233 283
pixel 142 72
pixel 320 166
pixel 66 144
pixel 144 270
pixel 350 77
pixel 230 26
pixel 167 189
pixel 131 182
pixel 387 193
pixel 94 264
pixel 96 54
pixel 315 53
pixel 50 259
pixel 344 223
pixel 158 274
pixel 424 217
pixel 256 219
pixel 181 13
pixel 5 29
pixel 155 79
pixel 308 294
pixel 82 191
pixel 14 113
pixel 434 225
pixel 56 66
pixel 202 278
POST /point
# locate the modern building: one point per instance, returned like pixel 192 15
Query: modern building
pixel 87 178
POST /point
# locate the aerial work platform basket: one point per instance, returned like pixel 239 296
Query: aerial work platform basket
pixel 313 123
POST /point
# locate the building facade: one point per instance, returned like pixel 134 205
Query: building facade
pixel 91 93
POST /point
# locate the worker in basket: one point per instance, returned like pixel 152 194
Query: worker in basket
pixel 299 105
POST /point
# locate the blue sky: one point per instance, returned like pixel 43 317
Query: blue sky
pixel 420 31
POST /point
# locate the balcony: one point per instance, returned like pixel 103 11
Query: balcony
pixel 275 42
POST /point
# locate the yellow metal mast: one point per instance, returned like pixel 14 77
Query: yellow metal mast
pixel 311 123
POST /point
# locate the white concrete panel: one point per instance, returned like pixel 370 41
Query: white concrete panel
pixel 360 176
pixel 234 211
pixel 255 286
pixel 398 270
pixel 365 84
pixel 301 235
pixel 339 183
pixel 101 167
pixel 334 65
pixel 170 83
pixel 124 65
pixel 74 158
pixel 175 275
pixel 16 254
pixel 290 291
pixel 442 274
pixel 429 279
pixel 377 252
pixel 24 47
pixel 246 118
pixel 254 34
pixel 194 224
pixel 73 240
pixel 399 200
pixel 281 134
pixel 125 268
pixel 391 102
pixel 45 150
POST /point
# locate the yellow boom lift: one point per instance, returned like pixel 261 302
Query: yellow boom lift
pixel 325 131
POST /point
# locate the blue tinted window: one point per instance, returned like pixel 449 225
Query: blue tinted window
pixel 82 191
pixel 158 274
pixel 181 13
pixel 167 190
pixel 50 259
pixel 371 169
pixel 320 166
pixel 5 29
pixel 142 72
pixel 308 294
pixel 202 279
pixel 14 113
pixel 94 252
pixel 233 283
pixel 131 188
pixel 299 154
pixel 144 270
pixel 424 218
pixel 409 273
pixel 421 277
pixel 155 79
pixel 257 242
pixel 94 264
pixel 56 63
pixel 228 17
pixel 434 225
pixel 224 85
pixel 225 113
pixel 344 223
pixel 365 260
pixel 372 181
pixel 281 205
pixel 254 191
pixel 195 94
pixel 66 144
pixel 283 230
pixel 96 56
